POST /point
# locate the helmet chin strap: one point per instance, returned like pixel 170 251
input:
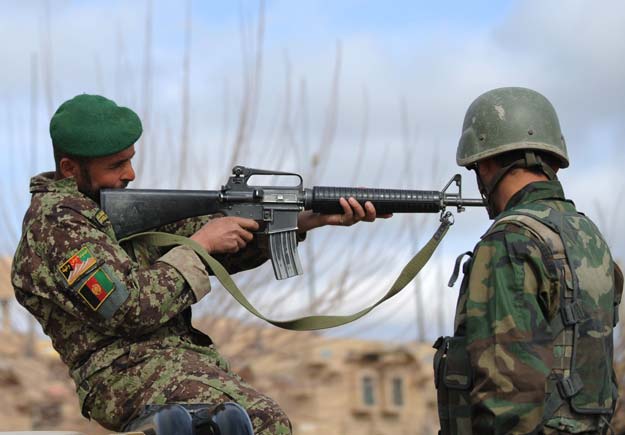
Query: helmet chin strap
pixel 486 196
pixel 529 161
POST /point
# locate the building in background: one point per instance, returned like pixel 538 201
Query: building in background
pixel 336 386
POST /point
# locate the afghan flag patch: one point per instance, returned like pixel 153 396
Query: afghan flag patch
pixel 96 289
pixel 77 265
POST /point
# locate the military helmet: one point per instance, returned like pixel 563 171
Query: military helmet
pixel 509 119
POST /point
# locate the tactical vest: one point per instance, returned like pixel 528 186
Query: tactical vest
pixel 581 390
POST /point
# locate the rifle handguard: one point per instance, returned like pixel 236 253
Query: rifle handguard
pixel 326 200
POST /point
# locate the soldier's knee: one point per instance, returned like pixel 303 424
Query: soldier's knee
pixel 188 419
pixel 268 418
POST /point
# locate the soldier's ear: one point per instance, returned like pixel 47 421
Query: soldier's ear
pixel 486 169
pixel 69 167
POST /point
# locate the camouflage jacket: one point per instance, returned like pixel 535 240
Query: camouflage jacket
pixel 95 298
pixel 505 311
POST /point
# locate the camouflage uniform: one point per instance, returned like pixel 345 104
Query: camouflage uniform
pixel 120 316
pixel 499 374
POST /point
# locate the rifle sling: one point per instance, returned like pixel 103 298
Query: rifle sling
pixel 307 323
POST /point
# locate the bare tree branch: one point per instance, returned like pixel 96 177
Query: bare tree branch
pixel 46 48
pixel 146 93
pixel 252 79
pixel 321 156
pixel 186 67
pixel 34 79
pixel 10 232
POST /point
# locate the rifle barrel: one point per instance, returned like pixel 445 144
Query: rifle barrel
pixel 325 199
pixel 464 202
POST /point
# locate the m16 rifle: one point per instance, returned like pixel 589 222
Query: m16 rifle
pixel 275 207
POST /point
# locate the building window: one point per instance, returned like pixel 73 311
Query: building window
pixel 398 392
pixel 368 395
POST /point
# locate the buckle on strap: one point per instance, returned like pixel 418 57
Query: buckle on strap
pixel 569 387
pixel 84 387
pixel 438 343
pixel 454 275
pixel 573 313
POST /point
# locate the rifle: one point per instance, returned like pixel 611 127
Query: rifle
pixel 274 207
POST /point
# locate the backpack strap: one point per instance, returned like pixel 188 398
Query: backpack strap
pixel 618 290
pixel 567 382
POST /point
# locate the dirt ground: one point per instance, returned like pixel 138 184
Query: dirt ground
pixel 36 393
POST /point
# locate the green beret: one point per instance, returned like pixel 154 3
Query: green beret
pixel 93 126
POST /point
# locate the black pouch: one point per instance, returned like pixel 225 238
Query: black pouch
pixel 457 373
pixel 453 379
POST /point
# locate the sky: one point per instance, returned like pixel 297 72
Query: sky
pixel 374 92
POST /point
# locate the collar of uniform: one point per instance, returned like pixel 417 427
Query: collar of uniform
pixel 535 192
pixel 45 182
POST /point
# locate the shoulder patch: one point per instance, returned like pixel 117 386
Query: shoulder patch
pixel 96 289
pixel 101 217
pixel 77 265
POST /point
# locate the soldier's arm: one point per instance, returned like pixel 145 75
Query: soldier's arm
pixel 185 227
pixel 252 256
pixel 108 289
pixel 508 335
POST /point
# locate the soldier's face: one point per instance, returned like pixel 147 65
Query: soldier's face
pixel 485 171
pixel 113 171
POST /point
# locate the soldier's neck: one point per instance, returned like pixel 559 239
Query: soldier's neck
pixel 513 182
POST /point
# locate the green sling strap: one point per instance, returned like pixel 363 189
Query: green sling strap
pixel 307 323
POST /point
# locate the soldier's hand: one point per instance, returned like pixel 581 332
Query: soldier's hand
pixel 225 234
pixel 353 213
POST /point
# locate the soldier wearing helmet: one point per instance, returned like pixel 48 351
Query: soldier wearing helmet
pixel 532 347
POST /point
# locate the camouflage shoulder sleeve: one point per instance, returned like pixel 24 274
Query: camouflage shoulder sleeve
pixel 191 268
pixel 508 336
pixel 252 256
pixel 81 268
pixel 143 253
pixel 186 227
